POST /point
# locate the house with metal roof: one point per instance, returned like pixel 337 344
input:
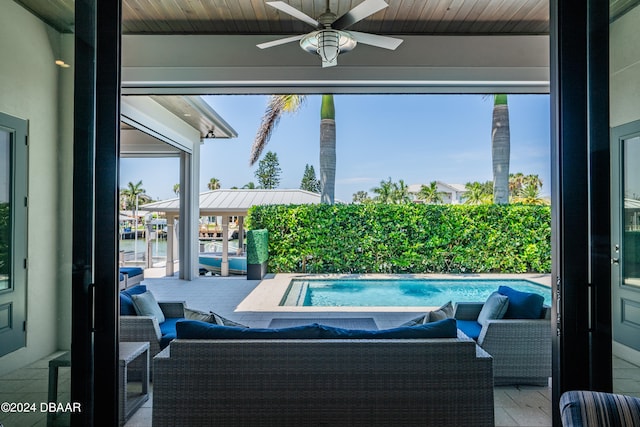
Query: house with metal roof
pixel 226 203
pixel 451 193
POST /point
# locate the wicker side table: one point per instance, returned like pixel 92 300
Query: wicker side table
pixel 130 351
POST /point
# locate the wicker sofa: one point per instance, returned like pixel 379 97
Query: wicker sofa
pixel 521 348
pixel 317 382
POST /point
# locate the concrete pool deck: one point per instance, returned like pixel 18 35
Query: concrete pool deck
pixel 268 294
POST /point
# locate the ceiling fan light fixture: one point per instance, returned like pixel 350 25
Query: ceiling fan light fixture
pixel 328 43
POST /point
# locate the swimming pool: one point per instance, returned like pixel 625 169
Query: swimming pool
pixel 399 292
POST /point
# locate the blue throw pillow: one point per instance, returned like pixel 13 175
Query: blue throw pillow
pixel 441 329
pixel 522 305
pixel 126 305
pixel 126 302
pixel 195 329
pixel 135 290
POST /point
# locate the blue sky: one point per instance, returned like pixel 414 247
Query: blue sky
pixel 417 138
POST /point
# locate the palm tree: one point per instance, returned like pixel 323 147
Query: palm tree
pixel 532 180
pixel 384 193
pixel 327 150
pixel 133 192
pixel 530 195
pixel 500 149
pixel 360 197
pixel 279 104
pixel 430 194
pixel 476 194
pixel 213 184
pixel 250 185
pixel 515 182
pixel 401 193
pixel 176 189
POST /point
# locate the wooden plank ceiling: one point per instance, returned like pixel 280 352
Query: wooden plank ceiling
pixel 255 17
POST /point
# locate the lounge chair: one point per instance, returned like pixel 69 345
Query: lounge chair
pixel 132 276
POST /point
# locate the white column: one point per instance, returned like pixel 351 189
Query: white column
pixel 240 235
pixel 169 267
pixel 148 234
pixel 189 214
pixel 224 267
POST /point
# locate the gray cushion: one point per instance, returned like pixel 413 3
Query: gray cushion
pixel 210 317
pixel 146 305
pixel 192 314
pixel 494 308
pixel 444 312
pixel 417 321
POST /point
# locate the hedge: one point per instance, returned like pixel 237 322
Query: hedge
pixel 257 246
pixel 410 238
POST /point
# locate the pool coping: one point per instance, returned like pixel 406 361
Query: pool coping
pixel 268 294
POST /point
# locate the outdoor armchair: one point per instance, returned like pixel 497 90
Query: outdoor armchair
pixel 142 328
pixel 147 328
pixel 597 409
pixel 521 348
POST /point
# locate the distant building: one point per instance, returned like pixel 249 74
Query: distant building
pixel 452 194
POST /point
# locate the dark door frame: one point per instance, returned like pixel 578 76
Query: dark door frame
pixel 95 302
pixel 580 191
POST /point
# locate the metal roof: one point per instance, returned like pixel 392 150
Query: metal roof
pixel 460 188
pixel 238 202
pixel 631 203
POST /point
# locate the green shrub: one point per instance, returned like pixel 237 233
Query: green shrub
pixel 257 246
pixel 410 238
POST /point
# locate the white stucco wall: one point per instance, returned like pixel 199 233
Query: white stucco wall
pixel 625 68
pixel 29 88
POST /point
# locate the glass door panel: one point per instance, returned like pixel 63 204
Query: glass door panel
pixel 631 212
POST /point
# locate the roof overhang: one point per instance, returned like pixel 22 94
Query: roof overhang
pixel 175 64
pixel 165 126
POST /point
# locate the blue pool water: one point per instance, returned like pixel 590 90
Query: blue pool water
pixel 399 293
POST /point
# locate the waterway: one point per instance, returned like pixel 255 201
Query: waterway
pixel 159 248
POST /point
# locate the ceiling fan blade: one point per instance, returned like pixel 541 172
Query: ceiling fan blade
pixel 384 42
pixel 279 41
pixel 290 10
pixel 358 13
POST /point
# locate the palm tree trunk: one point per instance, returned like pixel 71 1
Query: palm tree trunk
pixel 500 150
pixel 327 150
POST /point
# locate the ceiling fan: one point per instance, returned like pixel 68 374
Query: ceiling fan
pixel 329 39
